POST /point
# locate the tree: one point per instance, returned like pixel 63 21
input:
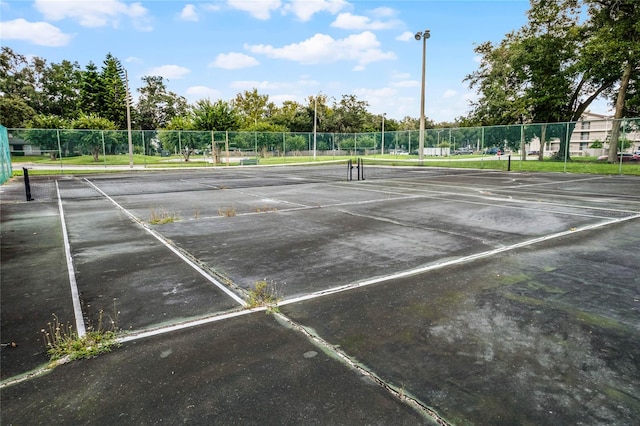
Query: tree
pixel 219 115
pixel 114 95
pixel 92 90
pixel 43 132
pixel 293 116
pixel 61 89
pixel 317 107
pixel 252 107
pixel 179 135
pixel 15 112
pixel 90 139
pixel 156 105
pixel 615 46
pixel 350 115
pixel 19 93
pixel 546 72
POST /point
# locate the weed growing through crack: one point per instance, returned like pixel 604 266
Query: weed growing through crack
pixel 196 213
pixel 162 217
pixel 228 212
pixel 63 341
pixel 264 295
pixel 265 209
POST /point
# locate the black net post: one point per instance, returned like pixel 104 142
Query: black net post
pixel 509 163
pixel 27 185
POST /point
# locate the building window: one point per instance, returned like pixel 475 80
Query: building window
pixel 586 125
pixel 583 146
pixel 584 136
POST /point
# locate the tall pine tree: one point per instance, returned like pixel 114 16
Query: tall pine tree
pixel 114 103
pixel 91 91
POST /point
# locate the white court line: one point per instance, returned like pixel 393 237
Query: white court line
pixel 442 195
pixel 458 261
pixel 187 324
pixel 75 296
pixel 177 252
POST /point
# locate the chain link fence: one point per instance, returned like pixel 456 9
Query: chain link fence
pixel 582 138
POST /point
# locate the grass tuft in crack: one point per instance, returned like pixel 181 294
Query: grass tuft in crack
pixel 263 295
pixel 63 341
pixel 162 217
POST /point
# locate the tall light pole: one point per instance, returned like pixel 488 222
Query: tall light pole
pixel 315 125
pixel 126 79
pixel 424 36
pixel 384 114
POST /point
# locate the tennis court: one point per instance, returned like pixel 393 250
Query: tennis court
pixel 416 295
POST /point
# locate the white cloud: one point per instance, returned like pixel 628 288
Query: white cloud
pixel 260 85
pixel 383 12
pixel 281 98
pixel 189 13
pixel 211 7
pixel 349 21
pixel 40 33
pixel 449 93
pixel 401 75
pixel 363 48
pixel 477 58
pixel 259 9
pixel 94 13
pixel 195 93
pixel 406 83
pixel 133 59
pixel 232 61
pixel 406 36
pixel 305 9
pixel 302 83
pixel 380 100
pixel 169 71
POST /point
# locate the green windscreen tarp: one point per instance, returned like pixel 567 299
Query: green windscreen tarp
pixel 5 156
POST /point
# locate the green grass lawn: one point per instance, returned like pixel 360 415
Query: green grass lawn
pixel 587 165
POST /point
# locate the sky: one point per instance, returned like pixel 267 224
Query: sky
pixel 287 49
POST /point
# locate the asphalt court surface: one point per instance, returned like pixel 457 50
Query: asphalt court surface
pixel 485 297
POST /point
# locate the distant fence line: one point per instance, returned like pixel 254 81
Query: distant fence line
pixel 580 136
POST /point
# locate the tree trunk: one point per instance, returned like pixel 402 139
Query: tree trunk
pixel 543 142
pixel 96 153
pixel 615 128
pixel 186 153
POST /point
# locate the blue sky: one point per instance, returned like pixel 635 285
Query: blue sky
pixel 287 49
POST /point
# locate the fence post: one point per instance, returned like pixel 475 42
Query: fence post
pixel 104 150
pixel 226 144
pixel 59 149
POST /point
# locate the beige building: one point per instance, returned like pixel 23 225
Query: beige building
pixel 592 128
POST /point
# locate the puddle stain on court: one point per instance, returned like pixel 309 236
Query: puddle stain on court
pixel 535 337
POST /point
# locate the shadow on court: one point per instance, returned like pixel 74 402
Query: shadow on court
pixel 415 296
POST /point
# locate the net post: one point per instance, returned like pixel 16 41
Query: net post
pixel 27 185
pixel 509 163
pixel 349 170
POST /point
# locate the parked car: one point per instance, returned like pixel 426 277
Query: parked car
pixel 492 151
pixel 463 151
pixel 625 157
pixel 533 153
